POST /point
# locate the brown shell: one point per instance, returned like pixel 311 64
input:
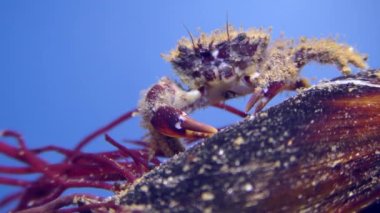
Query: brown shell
pixel 319 151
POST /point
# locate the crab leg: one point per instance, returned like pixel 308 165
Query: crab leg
pixel 230 109
pixel 262 97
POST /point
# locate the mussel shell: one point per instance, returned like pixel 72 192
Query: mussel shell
pixel 318 151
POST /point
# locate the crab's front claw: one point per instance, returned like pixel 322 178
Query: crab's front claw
pixel 175 123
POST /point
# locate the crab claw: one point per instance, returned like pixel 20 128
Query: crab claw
pixel 256 96
pixel 175 123
pixel 262 97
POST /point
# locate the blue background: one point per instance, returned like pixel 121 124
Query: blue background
pixel 69 67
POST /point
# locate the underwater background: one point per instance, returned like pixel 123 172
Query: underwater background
pixel 69 67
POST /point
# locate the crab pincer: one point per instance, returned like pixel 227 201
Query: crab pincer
pixel 261 97
pixel 175 123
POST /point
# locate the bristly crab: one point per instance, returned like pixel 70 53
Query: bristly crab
pixel 227 64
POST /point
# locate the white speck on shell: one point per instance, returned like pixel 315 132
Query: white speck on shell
pixel 248 187
pixel 207 196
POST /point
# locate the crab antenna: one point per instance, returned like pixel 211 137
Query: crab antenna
pixel 227 27
pixel 191 35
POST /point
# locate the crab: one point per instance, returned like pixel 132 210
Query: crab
pixel 226 64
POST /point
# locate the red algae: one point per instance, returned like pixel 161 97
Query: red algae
pixel 108 170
